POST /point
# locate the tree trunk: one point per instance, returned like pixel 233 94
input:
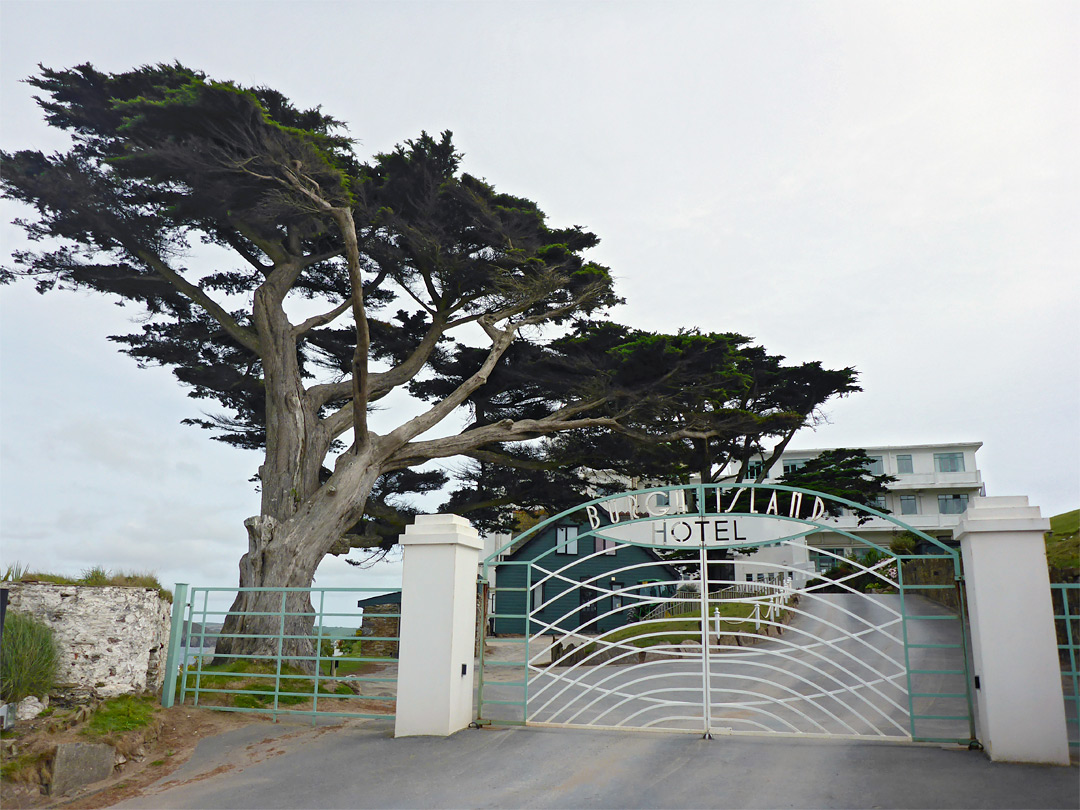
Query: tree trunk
pixel 720 568
pixel 287 554
pixel 263 617
pixel 285 542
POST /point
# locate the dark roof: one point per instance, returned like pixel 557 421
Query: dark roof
pixel 392 598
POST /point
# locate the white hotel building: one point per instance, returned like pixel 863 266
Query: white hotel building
pixel 933 485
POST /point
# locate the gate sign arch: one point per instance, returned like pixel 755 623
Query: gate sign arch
pixel 626 612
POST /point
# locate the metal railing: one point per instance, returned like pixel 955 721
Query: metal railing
pixel 361 682
pixel 687 602
pixel 1066 601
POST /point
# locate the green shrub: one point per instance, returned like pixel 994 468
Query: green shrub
pixel 903 543
pixel 120 714
pixel 14 572
pixel 96 575
pixel 28 659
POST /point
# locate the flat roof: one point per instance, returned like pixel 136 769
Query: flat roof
pixel 867 447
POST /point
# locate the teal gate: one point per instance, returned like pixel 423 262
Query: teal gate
pixel 700 608
pixel 351 672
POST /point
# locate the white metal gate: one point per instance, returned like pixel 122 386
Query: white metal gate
pixel 605 642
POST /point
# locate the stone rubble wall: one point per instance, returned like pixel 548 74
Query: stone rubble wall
pixel 381 626
pixel 112 640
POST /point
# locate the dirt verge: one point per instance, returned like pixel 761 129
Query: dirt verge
pixel 143 756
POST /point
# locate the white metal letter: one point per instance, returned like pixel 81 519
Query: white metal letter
pixel 735 500
pixel 654 508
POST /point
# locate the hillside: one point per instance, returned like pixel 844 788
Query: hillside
pixel 1063 546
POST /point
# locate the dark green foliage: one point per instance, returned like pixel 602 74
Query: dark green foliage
pixel 903 543
pixel 163 155
pixel 29 658
pixel 416 253
pixel 845 474
pixel 686 404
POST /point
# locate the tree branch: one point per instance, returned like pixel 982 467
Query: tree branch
pixel 321 320
pixel 245 337
pixel 501 341
pixel 347 225
pixel 464 443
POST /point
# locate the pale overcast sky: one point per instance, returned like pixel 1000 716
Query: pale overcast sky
pixel 889 185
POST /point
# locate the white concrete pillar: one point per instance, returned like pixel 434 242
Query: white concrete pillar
pixel 438 626
pixel 1021 710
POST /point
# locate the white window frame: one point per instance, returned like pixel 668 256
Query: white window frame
pixel 902 460
pixel 913 500
pixel 951 498
pixel 949 462
pixel 793 464
pixel 536 597
pixel 569 534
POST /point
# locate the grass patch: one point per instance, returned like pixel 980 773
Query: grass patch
pixel 1066 523
pixel 350 666
pixel 1063 542
pixel 96 576
pixel 28 658
pixel 674 631
pixel 23 768
pixel 255 681
pixel 121 714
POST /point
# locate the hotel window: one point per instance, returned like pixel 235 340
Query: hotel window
pixel 904 465
pixel 952 504
pixel 949 462
pixel 616 596
pixel 909 505
pixel 605 545
pixel 536 597
pixel 878 502
pixel 793 464
pixel 875 467
pixel 566 540
pixel 753 470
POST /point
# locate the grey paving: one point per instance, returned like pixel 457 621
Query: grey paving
pixel 360 765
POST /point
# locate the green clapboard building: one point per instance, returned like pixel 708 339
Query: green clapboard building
pixel 546 573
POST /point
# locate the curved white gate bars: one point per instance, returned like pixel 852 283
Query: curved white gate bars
pixel 628 612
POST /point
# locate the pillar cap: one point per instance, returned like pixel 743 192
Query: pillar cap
pixel 1010 513
pixel 441 530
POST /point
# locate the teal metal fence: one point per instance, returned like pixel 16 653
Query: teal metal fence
pixel 351 672
pixel 1066 601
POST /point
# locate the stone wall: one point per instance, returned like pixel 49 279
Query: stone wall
pixel 381 626
pixel 934 571
pixel 112 640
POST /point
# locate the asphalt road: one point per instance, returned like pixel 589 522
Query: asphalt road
pixel 360 765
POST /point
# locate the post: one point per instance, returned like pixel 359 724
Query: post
pixel 1021 710
pixel 438 626
pixel 168 688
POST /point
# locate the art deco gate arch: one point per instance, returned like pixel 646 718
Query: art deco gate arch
pixel 596 621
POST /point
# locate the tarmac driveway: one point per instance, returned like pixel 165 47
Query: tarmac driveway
pixel 359 764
